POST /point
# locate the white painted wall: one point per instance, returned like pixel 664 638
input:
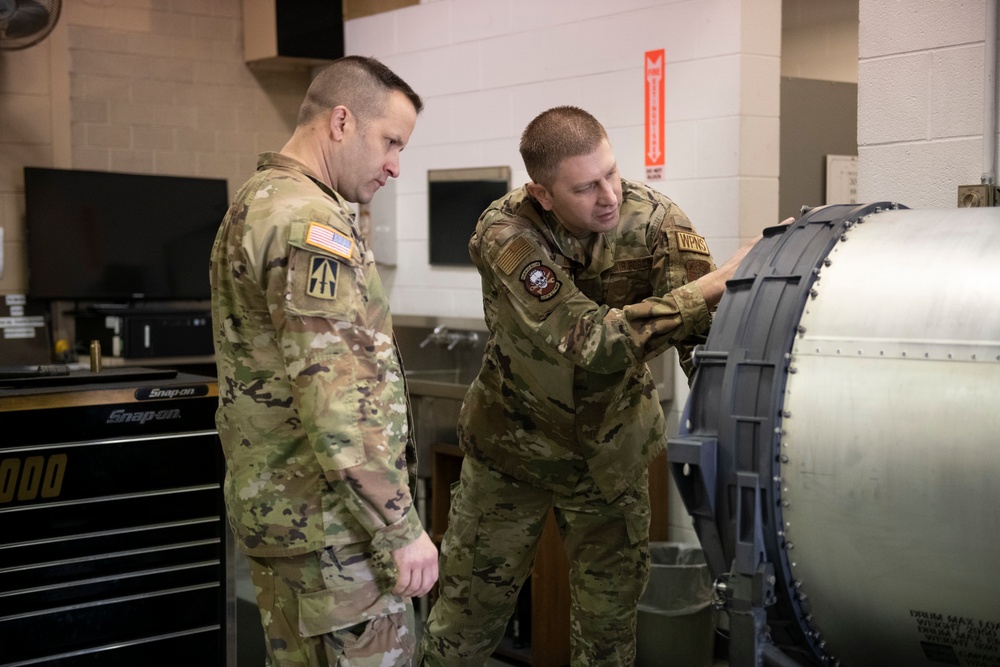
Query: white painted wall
pixel 486 67
pixel 146 87
pixel 819 40
pixel 920 100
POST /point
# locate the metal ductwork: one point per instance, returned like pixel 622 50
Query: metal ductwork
pixel 839 452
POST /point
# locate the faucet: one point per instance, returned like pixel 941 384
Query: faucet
pixel 470 337
pixel 439 335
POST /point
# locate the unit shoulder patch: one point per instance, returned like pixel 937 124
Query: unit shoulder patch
pixel 696 268
pixel 322 282
pixel 540 281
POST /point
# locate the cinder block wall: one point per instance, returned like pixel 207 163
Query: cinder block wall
pixel 486 67
pixel 156 88
pixel 920 100
pixel 128 86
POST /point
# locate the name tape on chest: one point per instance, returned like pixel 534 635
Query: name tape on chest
pixel 692 243
pixel 325 238
pixel 632 265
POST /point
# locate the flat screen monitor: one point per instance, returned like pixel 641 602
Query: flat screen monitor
pixel 117 237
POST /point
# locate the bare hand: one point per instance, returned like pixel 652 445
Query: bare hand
pixel 417 567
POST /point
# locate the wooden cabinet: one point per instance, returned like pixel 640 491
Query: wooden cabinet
pixel 549 581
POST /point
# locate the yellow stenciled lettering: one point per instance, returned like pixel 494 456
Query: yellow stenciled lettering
pixel 31 478
pixel 55 470
pixel 9 469
pixel 34 477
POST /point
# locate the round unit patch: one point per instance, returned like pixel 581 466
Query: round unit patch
pixel 540 281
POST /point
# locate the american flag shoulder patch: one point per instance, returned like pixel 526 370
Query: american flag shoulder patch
pixel 512 255
pixel 325 238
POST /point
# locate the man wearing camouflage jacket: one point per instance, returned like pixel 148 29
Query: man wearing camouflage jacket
pixel 586 276
pixel 313 413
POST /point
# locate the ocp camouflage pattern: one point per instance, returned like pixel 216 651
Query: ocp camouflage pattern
pixel 572 323
pixel 313 411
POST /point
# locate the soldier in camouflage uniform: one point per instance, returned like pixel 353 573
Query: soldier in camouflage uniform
pixel 313 413
pixel 586 276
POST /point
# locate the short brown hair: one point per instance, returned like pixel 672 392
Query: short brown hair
pixel 557 134
pixel 359 83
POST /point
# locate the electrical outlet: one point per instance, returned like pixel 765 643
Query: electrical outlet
pixel 973 196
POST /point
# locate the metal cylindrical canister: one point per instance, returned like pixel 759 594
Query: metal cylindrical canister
pixel 95 356
pixel 838 453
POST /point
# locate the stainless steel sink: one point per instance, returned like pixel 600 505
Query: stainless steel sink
pixel 443 383
pixel 447 375
pixel 441 358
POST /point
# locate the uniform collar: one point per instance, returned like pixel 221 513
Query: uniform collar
pixel 273 159
pixel 593 254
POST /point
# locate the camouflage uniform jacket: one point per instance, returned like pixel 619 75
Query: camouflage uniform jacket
pixel 564 386
pixel 313 412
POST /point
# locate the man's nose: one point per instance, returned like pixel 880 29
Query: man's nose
pixel 607 194
pixel 392 166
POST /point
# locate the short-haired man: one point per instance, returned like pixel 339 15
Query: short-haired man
pixel 586 276
pixel 313 414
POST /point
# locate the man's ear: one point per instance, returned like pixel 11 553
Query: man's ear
pixel 541 193
pixel 339 119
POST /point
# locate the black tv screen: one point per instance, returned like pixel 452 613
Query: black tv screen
pixel 107 236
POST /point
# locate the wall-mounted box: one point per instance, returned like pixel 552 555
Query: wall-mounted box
pixel 357 8
pixel 303 32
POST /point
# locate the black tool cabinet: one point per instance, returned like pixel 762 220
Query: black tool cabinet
pixel 113 541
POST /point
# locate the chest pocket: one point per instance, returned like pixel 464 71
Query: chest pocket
pixel 629 282
pixel 322 265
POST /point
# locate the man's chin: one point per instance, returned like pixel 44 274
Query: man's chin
pixel 370 194
pixel 606 225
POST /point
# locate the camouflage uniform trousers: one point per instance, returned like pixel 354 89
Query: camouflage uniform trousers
pixel 325 609
pixel 494 526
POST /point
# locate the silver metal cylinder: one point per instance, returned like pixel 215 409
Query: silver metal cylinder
pixel 853 447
